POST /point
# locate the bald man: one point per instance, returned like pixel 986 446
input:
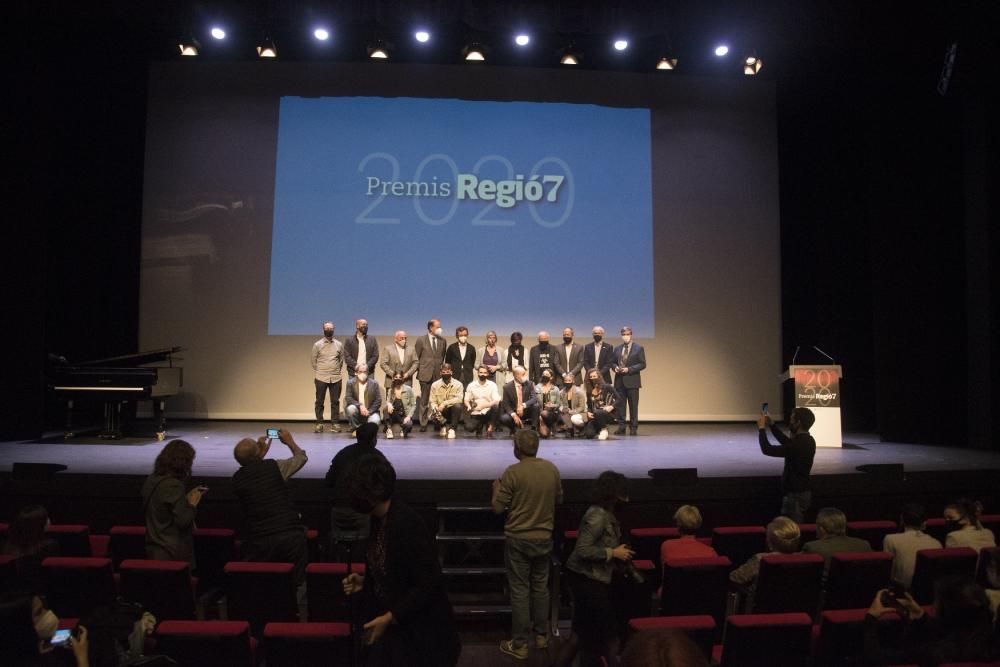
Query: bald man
pixel 398 357
pixel 275 532
pixel 360 348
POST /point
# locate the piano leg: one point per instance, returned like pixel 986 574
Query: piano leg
pixel 160 416
pixel 112 420
pixel 68 431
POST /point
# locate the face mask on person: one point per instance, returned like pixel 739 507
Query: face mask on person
pixel 543 344
pixel 546 378
pixel 483 377
pixel 446 377
pixel 397 382
pixel 567 339
pixel 595 381
pixel 598 338
pixel 952 525
pixel 439 331
pixel 463 339
pixel 569 385
pixel 362 377
pixel 363 330
pixel 46 625
pixel 328 333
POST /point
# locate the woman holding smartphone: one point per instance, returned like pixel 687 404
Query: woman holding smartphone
pixel 169 510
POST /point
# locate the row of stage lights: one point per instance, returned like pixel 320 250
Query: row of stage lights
pixel 472 52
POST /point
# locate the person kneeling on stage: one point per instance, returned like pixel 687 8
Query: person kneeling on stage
pixel 519 407
pixel 572 406
pixel 602 406
pixel 400 405
pixel 482 400
pixel 548 396
pixel 446 402
pixel 364 398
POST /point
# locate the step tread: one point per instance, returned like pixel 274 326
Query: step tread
pixel 473 570
pixel 460 537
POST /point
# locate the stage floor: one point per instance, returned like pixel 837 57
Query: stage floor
pixel 716 450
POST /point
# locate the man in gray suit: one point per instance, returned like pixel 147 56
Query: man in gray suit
pixel 399 358
pixel 569 357
pixel 430 350
pixel 630 360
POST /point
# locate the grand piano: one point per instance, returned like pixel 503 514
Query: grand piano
pixel 116 381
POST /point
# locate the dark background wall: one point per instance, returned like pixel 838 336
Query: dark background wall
pixel 885 195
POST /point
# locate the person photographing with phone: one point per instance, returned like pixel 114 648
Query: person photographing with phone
pixel 169 510
pixel 798 450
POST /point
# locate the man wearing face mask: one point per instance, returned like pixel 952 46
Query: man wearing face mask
pixel 569 357
pixel 630 360
pixel 430 350
pixel 519 405
pixel 599 355
pixel 462 357
pixel 572 406
pixel 363 400
pixel 482 399
pixel 360 348
pixel 547 392
pixel 446 402
pixel 327 361
pixel 542 357
pixel 398 358
pixel 400 406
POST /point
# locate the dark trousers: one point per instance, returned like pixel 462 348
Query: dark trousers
pixel 285 547
pixel 334 389
pixel 450 416
pixel 397 417
pixel 602 419
pixel 528 420
pixel 479 422
pixel 425 400
pixel 550 417
pixel 631 397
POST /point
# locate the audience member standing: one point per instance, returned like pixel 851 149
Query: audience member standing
pixel 327 364
pixel 169 510
pixel 905 544
pixel 347 525
pixel 528 492
pixel 798 452
pixel 275 532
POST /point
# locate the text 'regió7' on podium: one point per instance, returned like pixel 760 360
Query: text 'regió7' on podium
pixel 817 387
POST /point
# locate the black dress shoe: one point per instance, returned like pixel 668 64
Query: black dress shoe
pixel 620 431
pixel 633 431
pixel 423 428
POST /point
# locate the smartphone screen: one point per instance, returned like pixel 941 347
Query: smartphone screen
pixel 60 638
pixel 272 433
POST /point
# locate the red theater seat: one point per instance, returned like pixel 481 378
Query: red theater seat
pixel 738 543
pixel 300 644
pixel 700 628
pixel 934 564
pixel 767 640
pixel 855 577
pixel 261 593
pixel 165 588
pixel 77 585
pixel 872 531
pixel 127 543
pixel 841 635
pixel 646 541
pixel 324 591
pixel 695 586
pixel 73 539
pixel 207 643
pixel 788 583
pixel 99 546
pixel 807 532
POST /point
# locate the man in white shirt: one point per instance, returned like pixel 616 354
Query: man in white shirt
pixel 482 401
pixel 569 357
pixel 360 348
pixel 905 544
pixel 327 363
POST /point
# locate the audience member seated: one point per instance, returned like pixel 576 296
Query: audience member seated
pixel 662 647
pixel 687 518
pixel 400 406
pixel 27 541
pixel 168 509
pixel 831 529
pixel 782 537
pixel 275 532
pixel 963 527
pixel 26 628
pixel 960 630
pixel 905 544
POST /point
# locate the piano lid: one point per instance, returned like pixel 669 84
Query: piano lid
pixel 137 359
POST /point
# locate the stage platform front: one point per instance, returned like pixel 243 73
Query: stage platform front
pixel 735 481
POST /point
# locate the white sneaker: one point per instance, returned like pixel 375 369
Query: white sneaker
pixel 451 434
pixel 319 428
pixel 444 431
pixel 603 435
pixel 389 435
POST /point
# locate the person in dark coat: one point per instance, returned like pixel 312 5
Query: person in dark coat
pixel 169 510
pixel 403 593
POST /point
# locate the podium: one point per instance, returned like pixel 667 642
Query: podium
pixel 817 387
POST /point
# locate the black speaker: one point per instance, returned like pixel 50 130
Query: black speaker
pixel 680 476
pixel 892 472
pixel 35 472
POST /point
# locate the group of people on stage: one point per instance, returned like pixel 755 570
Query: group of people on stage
pixel 554 388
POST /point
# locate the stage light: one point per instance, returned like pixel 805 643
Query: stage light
pixel 422 36
pixel 569 59
pixel 667 63
pixel 267 48
pixel 218 33
pixel 322 34
pixel 721 50
pixel 752 64
pixel 189 46
pixel 474 53
pixel 378 51
pixel 621 44
pixel 522 40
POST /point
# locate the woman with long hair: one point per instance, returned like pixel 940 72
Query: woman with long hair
pixel 169 510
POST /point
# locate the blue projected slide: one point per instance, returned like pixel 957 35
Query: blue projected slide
pixel 494 215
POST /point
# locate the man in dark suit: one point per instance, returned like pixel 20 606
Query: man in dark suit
pixel 519 407
pixel 599 355
pixel 462 357
pixel 360 349
pixel 430 350
pixel 363 400
pixel 542 357
pixel 569 357
pixel 629 360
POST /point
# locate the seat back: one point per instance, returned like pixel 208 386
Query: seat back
pixel 646 541
pixel 695 586
pixel 127 543
pixel 841 635
pixel 855 577
pixel 807 532
pixel 325 592
pixel 767 640
pixel 261 593
pixel 206 643
pixel 298 644
pixel 700 628
pixel 934 564
pixel 739 543
pixel 789 583
pixel 163 587
pixel 75 586
pixel 873 532
pixel 213 548
pixel 73 539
